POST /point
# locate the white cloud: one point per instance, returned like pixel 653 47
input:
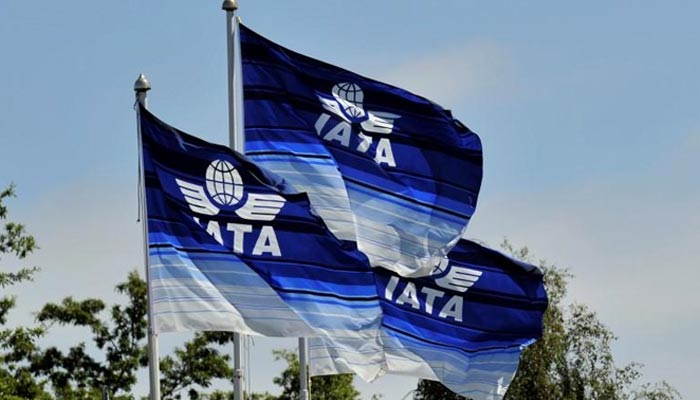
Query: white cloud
pixel 477 70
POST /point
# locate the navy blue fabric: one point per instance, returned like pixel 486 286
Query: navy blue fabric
pixel 504 307
pixel 312 264
pixel 422 170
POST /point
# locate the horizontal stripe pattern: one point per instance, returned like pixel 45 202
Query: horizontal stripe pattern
pixel 468 338
pixel 404 190
pixel 214 268
pixel 324 184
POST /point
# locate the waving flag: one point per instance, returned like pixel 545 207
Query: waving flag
pixel 465 325
pixel 232 248
pixel 383 167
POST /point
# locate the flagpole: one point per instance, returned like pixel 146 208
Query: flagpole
pixel 236 138
pixel 236 143
pixel 141 88
pixel 304 393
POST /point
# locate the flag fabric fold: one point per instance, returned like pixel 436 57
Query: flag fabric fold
pixel 343 223
pixel 231 247
pixel 465 325
pixel 383 167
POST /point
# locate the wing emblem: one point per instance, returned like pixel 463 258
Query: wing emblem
pixel 261 207
pixel 227 192
pixel 196 198
pixel 346 104
pixel 379 122
pixel 459 279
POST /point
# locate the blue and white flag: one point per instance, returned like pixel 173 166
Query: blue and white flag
pixel 383 167
pixel 465 325
pixel 231 248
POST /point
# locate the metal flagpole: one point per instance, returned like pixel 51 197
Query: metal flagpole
pixel 141 88
pixel 236 138
pixel 304 393
pixel 237 144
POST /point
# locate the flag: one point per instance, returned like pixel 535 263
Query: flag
pixel 232 248
pixel 386 168
pixel 465 325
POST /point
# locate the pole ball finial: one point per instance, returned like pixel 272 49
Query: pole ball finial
pixel 230 5
pixel 142 84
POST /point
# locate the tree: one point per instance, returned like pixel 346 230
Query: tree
pixel 14 240
pixel 330 387
pixel 17 345
pixel 194 366
pixel 25 369
pixel 121 339
pixel 572 360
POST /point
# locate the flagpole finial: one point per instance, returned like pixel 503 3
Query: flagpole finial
pixel 230 5
pixel 142 84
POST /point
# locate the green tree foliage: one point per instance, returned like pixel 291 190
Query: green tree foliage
pixel 14 240
pixel 17 345
pixel 572 360
pixel 119 336
pixel 194 366
pixel 330 387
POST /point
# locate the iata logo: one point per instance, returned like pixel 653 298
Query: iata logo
pixel 224 190
pixel 354 126
pixel 433 301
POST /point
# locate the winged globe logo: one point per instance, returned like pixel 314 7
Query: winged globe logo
pixel 422 294
pixel 225 191
pixel 365 131
pixel 349 97
pixel 224 183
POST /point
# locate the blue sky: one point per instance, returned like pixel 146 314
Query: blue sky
pixel 588 114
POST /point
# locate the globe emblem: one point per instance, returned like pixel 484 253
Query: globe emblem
pixel 224 183
pixel 350 97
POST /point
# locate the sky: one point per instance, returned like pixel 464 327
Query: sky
pixel 588 114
